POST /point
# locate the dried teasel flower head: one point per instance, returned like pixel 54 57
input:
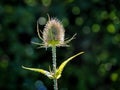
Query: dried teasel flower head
pixel 53 34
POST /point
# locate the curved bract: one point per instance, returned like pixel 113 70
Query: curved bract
pixel 46 73
pixel 61 67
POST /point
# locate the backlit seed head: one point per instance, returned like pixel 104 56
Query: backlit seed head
pixel 53 34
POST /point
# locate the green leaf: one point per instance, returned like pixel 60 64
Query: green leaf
pixel 61 67
pixel 46 73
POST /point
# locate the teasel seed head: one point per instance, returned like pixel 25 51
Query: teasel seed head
pixel 53 34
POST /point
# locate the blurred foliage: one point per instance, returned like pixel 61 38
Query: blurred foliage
pixel 97 24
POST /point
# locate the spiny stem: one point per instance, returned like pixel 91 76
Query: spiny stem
pixel 54 66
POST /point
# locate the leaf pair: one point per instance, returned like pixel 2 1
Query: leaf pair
pixel 58 72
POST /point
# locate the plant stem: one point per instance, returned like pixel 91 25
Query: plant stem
pixel 54 66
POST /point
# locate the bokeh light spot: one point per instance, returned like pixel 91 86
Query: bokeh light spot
pixel 75 10
pixel 4 61
pixel 114 77
pixel 116 39
pixel 30 2
pixel 111 28
pixel 104 55
pixel 86 30
pixel 42 21
pixel 46 2
pixel 40 85
pixel 114 17
pixel 116 20
pixel 104 15
pixel 102 70
pixel 65 22
pixel 95 27
pixel 29 51
pixel 4 64
pixel 108 66
pixel 79 21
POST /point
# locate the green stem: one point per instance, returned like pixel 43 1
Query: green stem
pixel 54 66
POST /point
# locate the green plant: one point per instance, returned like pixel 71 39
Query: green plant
pixel 53 36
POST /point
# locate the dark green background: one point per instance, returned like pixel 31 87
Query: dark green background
pixel 97 24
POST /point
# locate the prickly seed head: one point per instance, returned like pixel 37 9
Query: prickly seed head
pixel 53 33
